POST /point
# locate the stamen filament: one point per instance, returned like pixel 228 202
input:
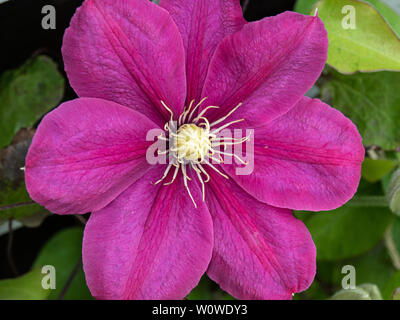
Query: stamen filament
pixel 169 110
pixel 224 117
pixel 184 172
pixel 163 152
pixel 185 178
pixel 224 175
pixel 232 155
pixel 187 111
pixel 201 181
pixel 195 108
pixel 231 143
pixel 163 138
pixel 203 112
pixel 218 161
pixel 206 124
pixel 174 176
pixel 205 172
pixel 165 174
pixel 225 126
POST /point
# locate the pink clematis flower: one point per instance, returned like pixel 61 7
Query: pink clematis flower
pixel 134 65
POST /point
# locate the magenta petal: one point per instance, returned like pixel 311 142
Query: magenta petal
pixel 150 243
pixel 129 52
pixel 84 154
pixel 203 24
pixel 268 66
pixel 307 159
pixel 260 252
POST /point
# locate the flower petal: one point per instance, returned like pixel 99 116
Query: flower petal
pixel 150 243
pixel 260 252
pixel 203 24
pixel 129 52
pixel 85 153
pixel 307 159
pixel 268 66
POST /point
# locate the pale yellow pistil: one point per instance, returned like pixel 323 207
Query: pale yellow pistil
pixel 194 144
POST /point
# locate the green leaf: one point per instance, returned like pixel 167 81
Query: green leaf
pixel 396 233
pixel 12 182
pixel 63 251
pixel 202 291
pixel 371 46
pixel 394 4
pixel 208 290
pixel 26 287
pixel 304 6
pixel 393 193
pixel 391 16
pixel 347 231
pixel 385 182
pixel 391 286
pixel 366 188
pixel 375 170
pixel 373 267
pixel 385 8
pixel 26 94
pixel 371 101
pixel 9 195
pixel 314 292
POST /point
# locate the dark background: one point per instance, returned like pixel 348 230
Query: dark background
pixel 21 36
pixel 21 33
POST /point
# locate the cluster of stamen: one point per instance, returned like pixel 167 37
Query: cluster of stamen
pixel 194 142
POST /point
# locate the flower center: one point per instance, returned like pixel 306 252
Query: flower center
pixel 194 143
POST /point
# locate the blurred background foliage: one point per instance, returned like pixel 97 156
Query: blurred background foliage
pixel 361 79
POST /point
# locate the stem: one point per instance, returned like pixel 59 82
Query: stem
pixel 70 279
pixel 80 219
pixel 391 247
pixel 245 5
pixel 369 201
pixel 9 248
pixel 16 205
